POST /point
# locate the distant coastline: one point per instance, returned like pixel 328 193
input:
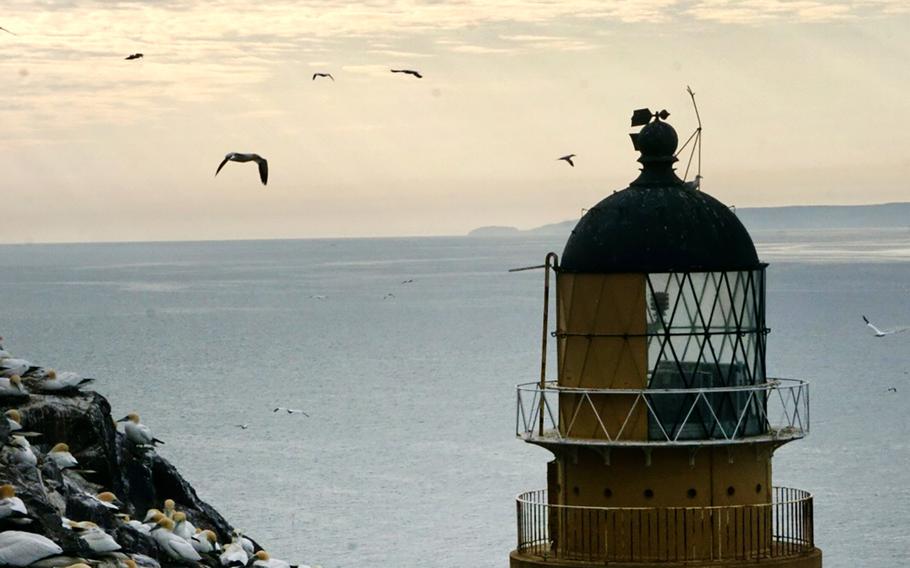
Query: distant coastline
pixel 793 217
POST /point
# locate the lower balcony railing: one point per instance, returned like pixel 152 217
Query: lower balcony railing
pixel 777 410
pixel 782 528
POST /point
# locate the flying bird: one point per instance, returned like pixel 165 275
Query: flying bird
pixel 134 56
pixel 242 426
pixel 568 159
pixel 329 75
pixel 291 411
pixel 238 157
pixel 884 332
pixel 7 31
pixel 408 72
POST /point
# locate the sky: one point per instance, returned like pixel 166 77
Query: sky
pixel 803 102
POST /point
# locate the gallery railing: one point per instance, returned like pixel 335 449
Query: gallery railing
pixel 777 410
pixel 778 529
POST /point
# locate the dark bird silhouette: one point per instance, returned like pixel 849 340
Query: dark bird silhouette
pixel 7 31
pixel 238 157
pixel 329 75
pixel 892 389
pixel 134 56
pixel 408 72
pixel 568 159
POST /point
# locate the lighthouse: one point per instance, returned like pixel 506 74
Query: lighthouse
pixel 662 420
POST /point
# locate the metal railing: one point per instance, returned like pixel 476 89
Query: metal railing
pixel 777 410
pixel 782 528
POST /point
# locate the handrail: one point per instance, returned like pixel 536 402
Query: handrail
pixel 777 410
pixel 782 528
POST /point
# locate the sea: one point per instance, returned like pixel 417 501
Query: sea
pixel 405 353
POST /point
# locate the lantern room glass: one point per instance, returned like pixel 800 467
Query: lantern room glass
pixel 706 332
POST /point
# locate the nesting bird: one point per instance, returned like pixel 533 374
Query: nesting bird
pixel 10 367
pixel 205 541
pixel 138 433
pixel 12 386
pixel 60 455
pixel 107 500
pixel 67 381
pixel 242 158
pixel 234 554
pixel 19 548
pixel 11 507
pixel 96 539
pixel 265 561
pixel 173 545
pixel 13 420
pixel 182 527
pixel 19 452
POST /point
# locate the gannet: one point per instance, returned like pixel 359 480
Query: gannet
pixel 242 426
pixel 174 546
pixel 4 354
pixel 329 75
pixel 246 543
pixel 19 548
pixel 134 56
pixel 138 433
pixel 568 158
pixel 263 559
pixel 12 386
pixel 10 367
pixel 182 527
pixel 60 455
pixel 204 541
pixel 170 507
pixel 11 507
pixel 234 555
pixel 407 72
pixel 152 515
pixel 19 452
pixel 96 539
pixel 291 411
pixel 133 523
pixel 884 332
pixel 52 381
pixel 14 420
pixel 239 157
pixel 107 500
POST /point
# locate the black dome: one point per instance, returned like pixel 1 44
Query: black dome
pixel 659 223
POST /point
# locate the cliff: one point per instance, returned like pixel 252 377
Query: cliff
pixel 139 477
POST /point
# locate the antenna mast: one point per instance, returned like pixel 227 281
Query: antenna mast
pixel 696 146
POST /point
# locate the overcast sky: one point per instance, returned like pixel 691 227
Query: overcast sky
pixel 803 102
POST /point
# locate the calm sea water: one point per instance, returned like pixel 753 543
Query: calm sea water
pixel 409 458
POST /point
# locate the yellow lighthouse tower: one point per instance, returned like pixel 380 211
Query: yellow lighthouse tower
pixel 662 420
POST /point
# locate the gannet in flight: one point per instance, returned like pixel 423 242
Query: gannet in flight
pixel 329 75
pixel 238 157
pixel 138 433
pixel 568 158
pixel 19 548
pixel 884 332
pixel 134 56
pixel 408 72
pixel 11 507
pixel 60 455
pixel 291 411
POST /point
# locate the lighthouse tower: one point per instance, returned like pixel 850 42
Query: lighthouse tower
pixel 662 420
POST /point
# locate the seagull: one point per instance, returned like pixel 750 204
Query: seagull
pixel 136 432
pixel 7 31
pixel 19 548
pixel 134 56
pixel 408 72
pixel 568 158
pixel 329 75
pixel 884 332
pixel 693 185
pixel 291 411
pixel 239 157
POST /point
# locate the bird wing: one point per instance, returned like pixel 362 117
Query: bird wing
pixel 416 74
pixel 571 163
pixel 893 330
pixel 7 31
pixel 263 170
pixel 221 165
pixel 314 76
pixel 329 75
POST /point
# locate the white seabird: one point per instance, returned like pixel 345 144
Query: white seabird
pixel 182 527
pixel 96 539
pixel 12 386
pixel 884 332
pixel 11 507
pixel 19 452
pixel 52 381
pixel 133 523
pixel 205 541
pixel 10 367
pixel 240 157
pixel 174 546
pixel 138 433
pixel 19 548
pixel 107 500
pixel 234 555
pixel 265 561
pixel 13 420
pixel 291 411
pixel 60 455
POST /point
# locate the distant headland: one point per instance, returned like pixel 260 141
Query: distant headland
pixel 793 217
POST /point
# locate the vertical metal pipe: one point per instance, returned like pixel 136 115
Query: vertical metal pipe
pixel 549 263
